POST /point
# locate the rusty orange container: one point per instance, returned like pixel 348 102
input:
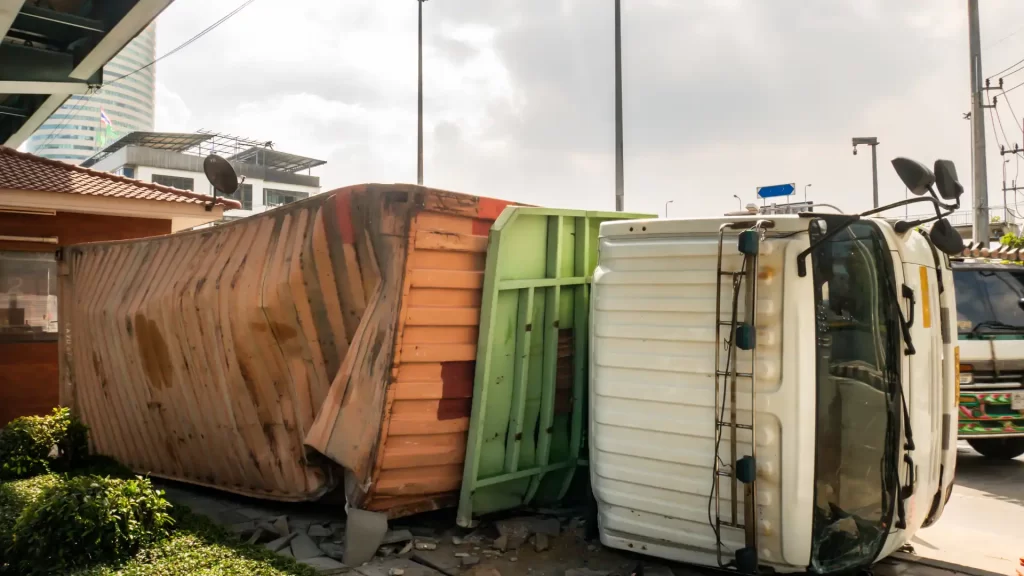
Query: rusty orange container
pixel 330 340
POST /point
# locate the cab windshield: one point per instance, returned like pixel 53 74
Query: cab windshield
pixel 858 356
pixel 988 303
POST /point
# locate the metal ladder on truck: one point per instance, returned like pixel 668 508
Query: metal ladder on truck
pixel 741 338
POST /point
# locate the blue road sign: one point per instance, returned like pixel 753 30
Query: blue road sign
pixel 776 190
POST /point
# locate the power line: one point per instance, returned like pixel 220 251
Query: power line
pixel 1014 88
pixel 83 101
pixel 1021 61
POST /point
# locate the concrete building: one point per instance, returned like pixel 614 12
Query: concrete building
pixel 85 124
pixel 271 178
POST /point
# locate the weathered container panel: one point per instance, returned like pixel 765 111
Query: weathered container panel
pixel 345 324
pixel 413 460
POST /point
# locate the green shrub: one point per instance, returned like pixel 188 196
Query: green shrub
pixel 14 498
pixel 34 445
pixel 85 520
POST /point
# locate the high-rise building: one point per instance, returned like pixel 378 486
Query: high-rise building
pixel 87 123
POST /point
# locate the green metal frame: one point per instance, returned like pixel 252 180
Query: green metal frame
pixel 539 267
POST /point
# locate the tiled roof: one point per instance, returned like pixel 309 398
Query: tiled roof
pixel 21 171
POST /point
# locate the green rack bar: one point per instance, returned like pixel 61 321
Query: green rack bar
pixel 528 424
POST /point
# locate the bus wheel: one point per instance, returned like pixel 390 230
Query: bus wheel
pixel 998 448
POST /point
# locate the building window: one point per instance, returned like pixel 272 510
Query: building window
pixel 245 190
pixel 128 171
pixel 273 197
pixel 28 295
pixel 179 182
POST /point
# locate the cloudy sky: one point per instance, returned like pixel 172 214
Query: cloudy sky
pixel 720 96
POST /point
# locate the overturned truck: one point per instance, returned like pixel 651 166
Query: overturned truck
pixel 333 343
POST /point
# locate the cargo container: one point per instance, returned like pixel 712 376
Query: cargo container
pixel 346 323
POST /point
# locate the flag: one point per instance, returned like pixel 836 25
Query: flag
pixel 106 131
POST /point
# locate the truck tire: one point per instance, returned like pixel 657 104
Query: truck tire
pixel 998 448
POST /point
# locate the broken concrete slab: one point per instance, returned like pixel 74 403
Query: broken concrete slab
pixel 303 547
pixel 406 549
pixel 470 560
pixel 332 550
pixel 396 572
pixel 325 565
pixel 364 533
pixel 286 552
pixel 438 560
pixel 319 531
pixel 278 544
pixel 541 542
pixel 280 525
pixel 243 527
pixel 500 543
pixel 424 545
pixel 255 537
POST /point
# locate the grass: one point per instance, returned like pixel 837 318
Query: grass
pixel 196 545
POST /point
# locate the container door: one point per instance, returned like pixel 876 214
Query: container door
pixel 528 420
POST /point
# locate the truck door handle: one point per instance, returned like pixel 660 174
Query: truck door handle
pixel 908 293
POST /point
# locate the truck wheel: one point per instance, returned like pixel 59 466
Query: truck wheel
pixel 998 448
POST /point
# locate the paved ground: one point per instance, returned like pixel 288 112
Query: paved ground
pixel 983 523
pixel 981 528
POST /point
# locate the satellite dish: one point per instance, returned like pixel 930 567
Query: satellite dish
pixel 220 174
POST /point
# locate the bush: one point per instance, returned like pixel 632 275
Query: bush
pixel 85 520
pixel 34 445
pixel 14 498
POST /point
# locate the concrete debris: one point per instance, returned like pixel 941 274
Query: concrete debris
pixel 513 559
pixel 541 542
pixel 286 552
pixel 364 533
pixel 441 561
pixel 470 560
pixel 303 547
pixel 386 551
pixel 500 543
pixel 325 565
pixel 277 545
pixel 461 554
pixel 425 545
pixel 397 536
pixel 243 527
pixel 457 540
pixel 336 551
pixel 319 531
pixel 256 535
pixel 406 549
pixel 396 572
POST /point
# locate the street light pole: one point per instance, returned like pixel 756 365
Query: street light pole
pixel 666 207
pixel 419 115
pixel 873 142
pixel 806 186
pixel 620 199
pixel 738 199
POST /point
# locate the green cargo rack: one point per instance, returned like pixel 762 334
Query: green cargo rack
pixel 528 425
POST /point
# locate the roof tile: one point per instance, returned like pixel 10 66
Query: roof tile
pixel 22 171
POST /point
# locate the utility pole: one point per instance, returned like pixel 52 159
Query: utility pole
pixel 419 115
pixel 873 142
pixel 980 232
pixel 620 196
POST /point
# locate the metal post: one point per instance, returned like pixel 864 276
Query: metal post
pixel 980 231
pixel 620 200
pixel 666 207
pixel 874 172
pixel 806 186
pixel 419 116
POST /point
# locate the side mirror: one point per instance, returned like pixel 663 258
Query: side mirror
pixel 916 176
pixel 946 181
pixel 1020 303
pixel 946 238
pixel 220 174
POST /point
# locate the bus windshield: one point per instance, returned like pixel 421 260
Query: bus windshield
pixel 988 302
pixel 858 358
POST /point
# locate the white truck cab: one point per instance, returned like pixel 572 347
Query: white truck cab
pixel 774 391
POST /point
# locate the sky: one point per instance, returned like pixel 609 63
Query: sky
pixel 719 96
